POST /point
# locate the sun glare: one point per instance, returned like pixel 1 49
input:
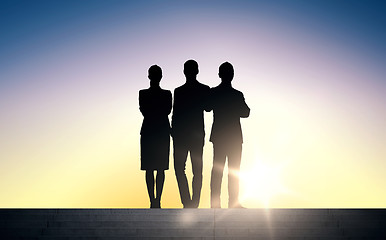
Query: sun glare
pixel 260 183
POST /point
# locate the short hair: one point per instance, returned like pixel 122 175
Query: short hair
pixel 191 67
pixel 155 70
pixel 226 68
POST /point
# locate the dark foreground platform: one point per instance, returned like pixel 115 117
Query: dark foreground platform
pixel 192 224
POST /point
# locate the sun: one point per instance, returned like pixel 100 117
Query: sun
pixel 261 182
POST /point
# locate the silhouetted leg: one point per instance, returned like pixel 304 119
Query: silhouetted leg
pixel 234 160
pixel 216 176
pixel 180 154
pixel 150 186
pixel 196 157
pixel 160 179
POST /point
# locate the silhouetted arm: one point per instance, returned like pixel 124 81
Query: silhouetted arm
pixel 175 110
pixel 244 109
pixel 168 107
pixel 208 105
pixel 142 104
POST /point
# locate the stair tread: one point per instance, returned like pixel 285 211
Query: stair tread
pixel 193 223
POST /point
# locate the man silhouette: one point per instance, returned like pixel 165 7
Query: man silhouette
pixel 188 132
pixel 228 106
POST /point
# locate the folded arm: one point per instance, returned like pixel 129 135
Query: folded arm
pixel 244 109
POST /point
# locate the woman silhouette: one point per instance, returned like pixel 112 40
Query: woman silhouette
pixel 155 105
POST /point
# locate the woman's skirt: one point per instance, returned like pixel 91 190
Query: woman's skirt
pixel 155 150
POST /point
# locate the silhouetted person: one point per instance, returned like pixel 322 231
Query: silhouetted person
pixel 155 105
pixel 188 132
pixel 228 106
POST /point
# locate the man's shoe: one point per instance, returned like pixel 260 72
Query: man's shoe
pixel 237 205
pixel 215 203
pixel 188 204
pixel 194 204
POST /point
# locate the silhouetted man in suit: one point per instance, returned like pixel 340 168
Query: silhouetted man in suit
pixel 228 106
pixel 188 132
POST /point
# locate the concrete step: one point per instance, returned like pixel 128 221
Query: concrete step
pixel 131 232
pixel 166 216
pixel 189 223
pixel 205 238
pixel 23 223
pixel 119 238
pixel 129 224
pixel 194 232
pixel 278 232
pixel 281 212
pixel 20 231
pixel 192 223
pixel 122 217
pixel 355 224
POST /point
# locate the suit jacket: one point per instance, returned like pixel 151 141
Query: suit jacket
pixel 228 106
pixel 155 105
pixel 190 100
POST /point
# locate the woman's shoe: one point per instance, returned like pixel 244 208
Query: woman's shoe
pixel 157 203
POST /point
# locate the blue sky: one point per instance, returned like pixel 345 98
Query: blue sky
pixel 29 27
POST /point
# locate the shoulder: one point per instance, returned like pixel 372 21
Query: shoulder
pixel 143 92
pixel 180 89
pixel 214 89
pixel 237 93
pixel 177 89
pixel 166 92
pixel 203 86
pixel 215 92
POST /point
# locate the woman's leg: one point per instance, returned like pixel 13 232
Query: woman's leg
pixel 160 179
pixel 150 186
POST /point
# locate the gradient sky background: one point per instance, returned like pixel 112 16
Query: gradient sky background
pixel 312 72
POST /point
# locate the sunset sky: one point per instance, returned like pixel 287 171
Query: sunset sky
pixel 312 72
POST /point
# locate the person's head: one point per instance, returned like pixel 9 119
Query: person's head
pixel 191 69
pixel 226 72
pixel 155 74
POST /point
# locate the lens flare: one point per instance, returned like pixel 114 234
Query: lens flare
pixel 261 182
